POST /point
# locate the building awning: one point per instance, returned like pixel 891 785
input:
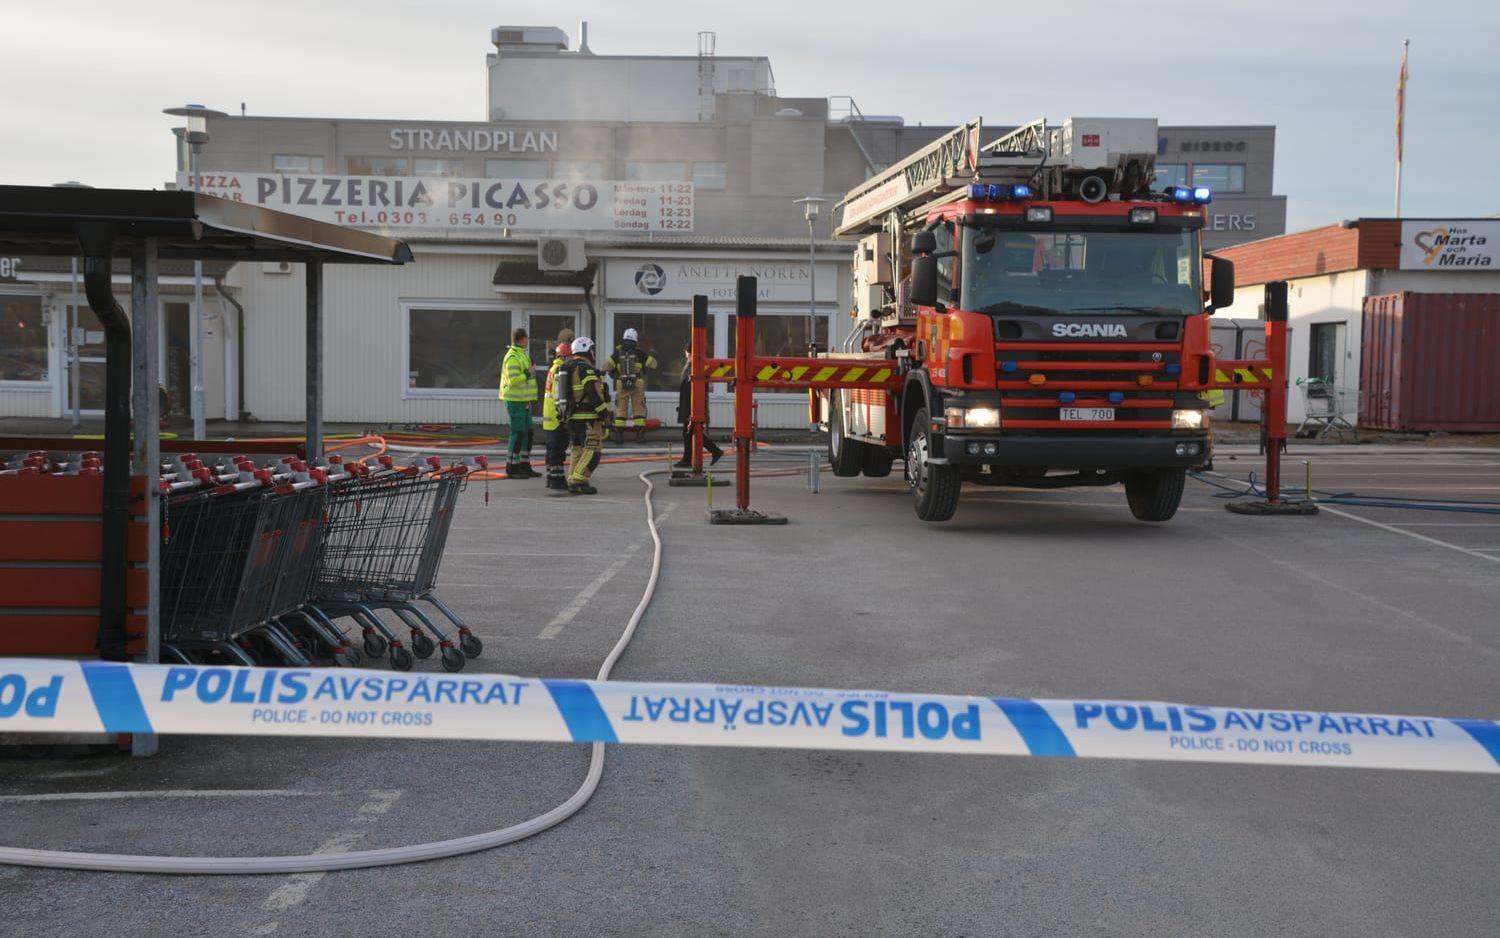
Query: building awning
pixel 521 281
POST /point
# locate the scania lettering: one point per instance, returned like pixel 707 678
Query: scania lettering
pixel 1044 300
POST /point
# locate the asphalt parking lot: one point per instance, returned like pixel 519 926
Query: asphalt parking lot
pixel 1044 594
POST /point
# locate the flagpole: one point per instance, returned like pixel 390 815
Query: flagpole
pixel 1401 122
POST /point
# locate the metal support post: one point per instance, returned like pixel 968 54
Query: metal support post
pixel 698 400
pixel 314 445
pixel 744 408
pixel 146 380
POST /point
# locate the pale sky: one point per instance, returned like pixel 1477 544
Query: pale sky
pixel 82 84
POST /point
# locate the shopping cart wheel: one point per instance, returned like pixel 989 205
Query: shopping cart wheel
pixel 471 645
pixel 375 645
pixel 422 645
pixel 401 659
pixel 453 659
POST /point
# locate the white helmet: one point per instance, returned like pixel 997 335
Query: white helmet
pixel 583 345
pixel 630 336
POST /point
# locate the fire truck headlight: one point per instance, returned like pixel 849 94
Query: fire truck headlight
pixel 1038 214
pixel 1189 419
pixel 982 418
pixel 1143 216
pixel 955 417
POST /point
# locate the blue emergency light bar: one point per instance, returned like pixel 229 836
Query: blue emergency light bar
pixel 996 192
pixel 1201 195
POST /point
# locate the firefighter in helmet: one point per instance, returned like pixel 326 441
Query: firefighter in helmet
pixel 557 434
pixel 588 412
pixel 629 364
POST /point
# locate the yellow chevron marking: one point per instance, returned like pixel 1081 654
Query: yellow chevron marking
pixel 1220 376
pixel 723 370
pixel 824 374
pixel 853 374
pixel 881 375
pixel 765 372
pixel 1247 375
pixel 798 372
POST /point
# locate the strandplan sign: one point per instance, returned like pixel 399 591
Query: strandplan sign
pixel 1450 245
pixel 468 204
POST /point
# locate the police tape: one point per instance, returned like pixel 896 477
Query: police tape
pixel 46 696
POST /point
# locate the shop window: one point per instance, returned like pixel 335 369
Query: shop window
pixel 23 339
pixel 667 337
pixel 455 351
pixel 577 169
pixel 1170 174
pixel 710 175
pixel 782 333
pixel 375 165
pixel 296 163
pixel 1220 177
pixel 429 166
pixel 655 172
pixel 1323 357
pixel 515 169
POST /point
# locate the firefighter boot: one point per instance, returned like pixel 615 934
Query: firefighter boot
pixel 527 472
pixel 513 471
pixel 582 488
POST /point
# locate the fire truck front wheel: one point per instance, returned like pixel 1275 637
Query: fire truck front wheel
pixel 934 487
pixel 845 455
pixel 1155 494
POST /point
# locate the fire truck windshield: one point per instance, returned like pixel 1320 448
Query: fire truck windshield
pixel 1085 272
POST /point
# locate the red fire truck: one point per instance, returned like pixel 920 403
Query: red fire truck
pixel 1043 306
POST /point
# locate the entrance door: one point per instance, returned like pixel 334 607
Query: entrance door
pixel 177 358
pixel 543 329
pixel 87 353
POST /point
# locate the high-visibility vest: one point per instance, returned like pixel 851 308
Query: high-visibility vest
pixel 590 398
pixel 549 399
pixel 517 379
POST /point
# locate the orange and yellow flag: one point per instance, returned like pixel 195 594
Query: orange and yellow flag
pixel 1401 103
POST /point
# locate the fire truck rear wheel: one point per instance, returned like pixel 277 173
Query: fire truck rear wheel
pixel 1155 494
pixel 878 461
pixel 845 455
pixel 935 488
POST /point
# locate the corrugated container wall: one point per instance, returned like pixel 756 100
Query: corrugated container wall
pixel 1431 361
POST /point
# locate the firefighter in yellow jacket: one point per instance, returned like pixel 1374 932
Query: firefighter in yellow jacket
pixel 557 434
pixel 587 414
pixel 629 365
pixel 518 390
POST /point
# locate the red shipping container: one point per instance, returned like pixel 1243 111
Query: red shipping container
pixel 1431 361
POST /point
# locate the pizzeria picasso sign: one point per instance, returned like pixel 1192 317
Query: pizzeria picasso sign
pixel 387 202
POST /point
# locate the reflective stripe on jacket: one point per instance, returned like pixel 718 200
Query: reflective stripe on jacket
pixel 590 396
pixel 549 402
pixel 517 379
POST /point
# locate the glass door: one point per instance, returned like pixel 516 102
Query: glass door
pixel 543 330
pixel 86 355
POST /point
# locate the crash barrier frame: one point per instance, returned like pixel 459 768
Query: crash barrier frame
pixel 747 371
pixel 48 696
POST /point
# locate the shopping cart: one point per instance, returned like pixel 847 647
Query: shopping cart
pixel 1325 405
pixel 235 573
pixel 383 540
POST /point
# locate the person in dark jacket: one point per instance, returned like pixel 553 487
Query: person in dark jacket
pixel 685 414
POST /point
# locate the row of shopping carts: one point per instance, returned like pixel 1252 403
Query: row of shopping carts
pixel 261 564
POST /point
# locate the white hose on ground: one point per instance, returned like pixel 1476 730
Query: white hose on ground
pixel 365 859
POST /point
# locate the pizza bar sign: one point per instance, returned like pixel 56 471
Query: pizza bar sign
pixel 1450 245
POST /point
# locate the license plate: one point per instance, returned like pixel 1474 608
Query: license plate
pixel 1087 413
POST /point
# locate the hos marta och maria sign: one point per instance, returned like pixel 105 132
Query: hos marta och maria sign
pixel 471 204
pixel 1450 245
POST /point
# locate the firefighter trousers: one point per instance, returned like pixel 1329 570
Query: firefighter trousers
pixel 588 437
pixel 630 407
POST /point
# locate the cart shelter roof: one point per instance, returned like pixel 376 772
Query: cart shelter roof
pixel 187 225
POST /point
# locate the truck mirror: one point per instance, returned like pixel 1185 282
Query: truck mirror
pixel 923 290
pixel 1221 283
pixel 923 242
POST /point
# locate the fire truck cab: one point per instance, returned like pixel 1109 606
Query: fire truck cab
pixel 1047 309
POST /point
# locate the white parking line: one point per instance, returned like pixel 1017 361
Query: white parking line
pixel 572 609
pixel 164 793
pixel 1411 534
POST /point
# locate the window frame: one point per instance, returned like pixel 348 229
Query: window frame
pixel 1185 171
pixel 1229 174
pixel 501 161
pixel 681 176
pixel 453 163
pixel 699 185
pixel 601 165
pixel 407 304
pixel 312 170
pixel 404 160
pixel 50 345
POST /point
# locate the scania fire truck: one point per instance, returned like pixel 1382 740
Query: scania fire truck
pixel 1044 300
